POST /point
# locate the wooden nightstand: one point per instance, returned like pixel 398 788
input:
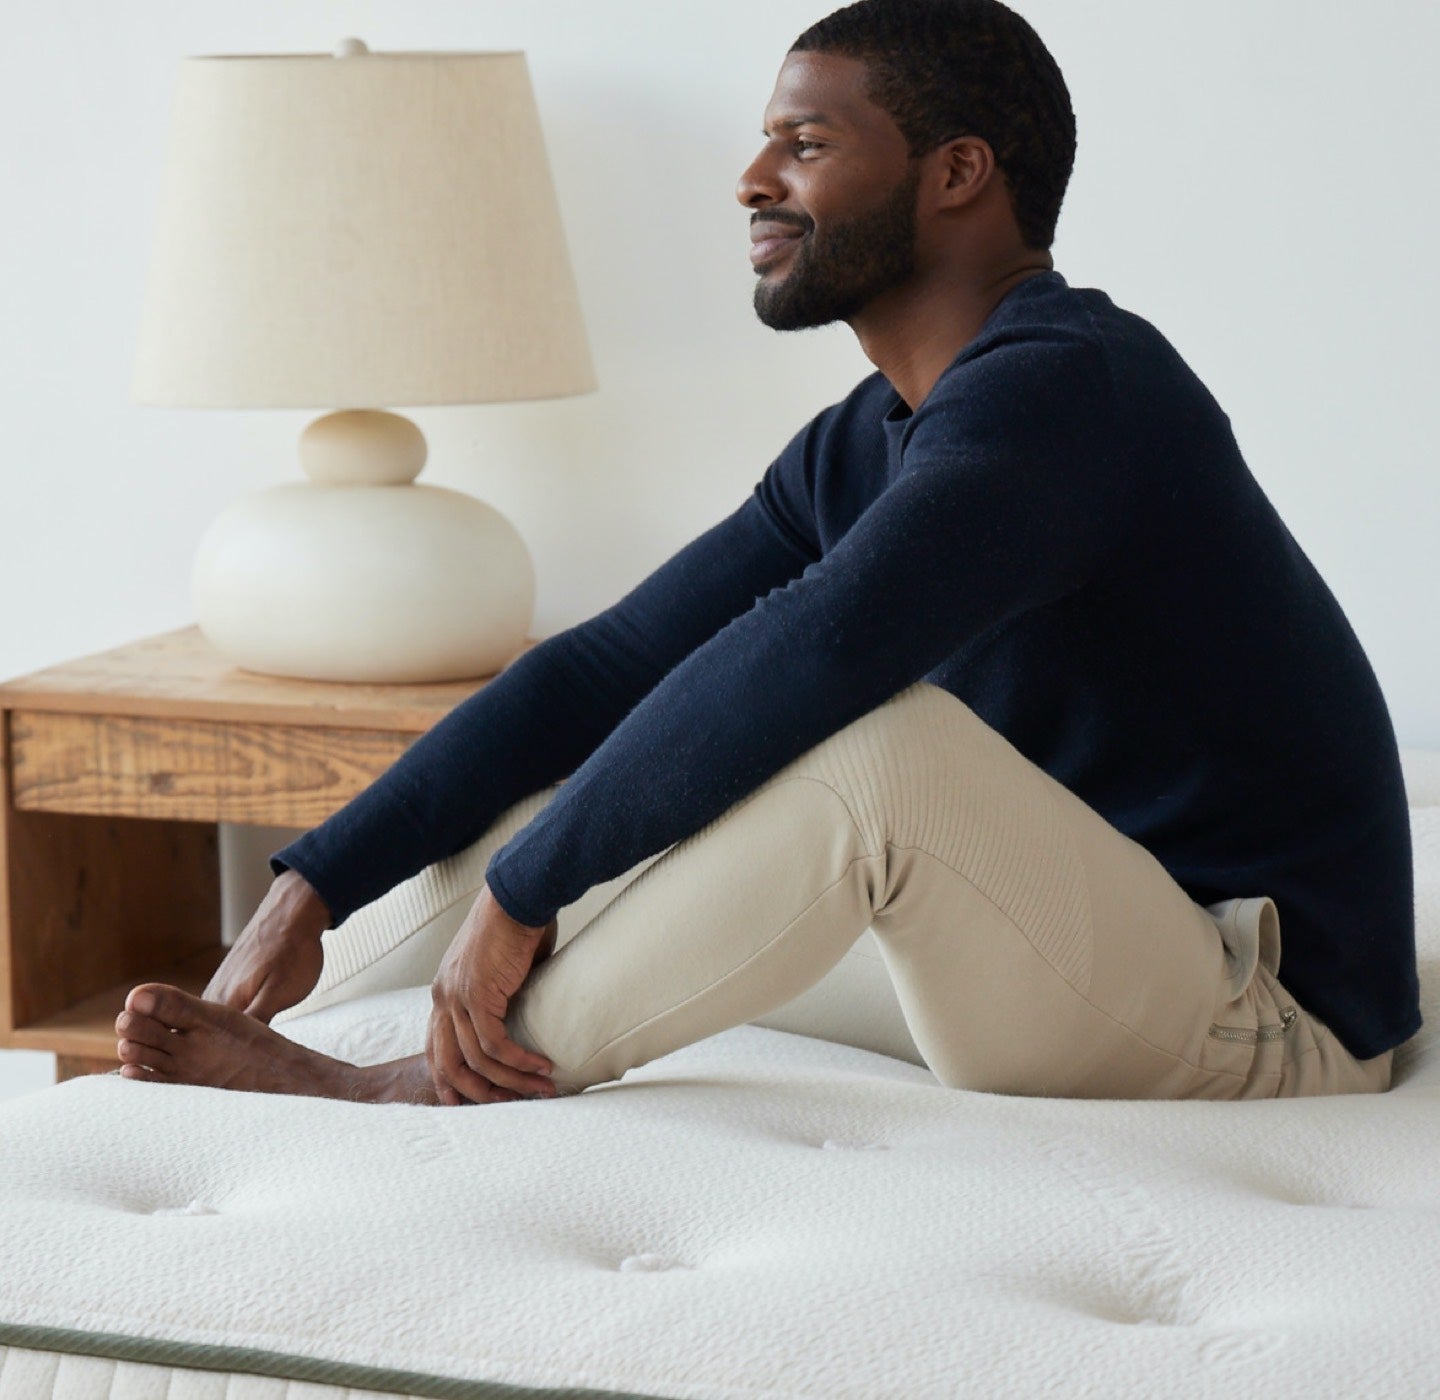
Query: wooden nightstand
pixel 117 768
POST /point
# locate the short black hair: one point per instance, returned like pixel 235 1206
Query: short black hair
pixel 947 68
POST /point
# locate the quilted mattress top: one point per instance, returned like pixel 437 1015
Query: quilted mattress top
pixel 758 1214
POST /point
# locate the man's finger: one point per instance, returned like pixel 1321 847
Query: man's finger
pixel 472 1086
pixel 435 1057
pixel 509 1061
pixel 444 1091
pixel 476 1051
pixel 501 1048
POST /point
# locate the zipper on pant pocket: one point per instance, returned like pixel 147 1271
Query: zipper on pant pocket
pixel 1249 1037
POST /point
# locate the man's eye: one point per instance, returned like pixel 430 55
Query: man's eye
pixel 802 145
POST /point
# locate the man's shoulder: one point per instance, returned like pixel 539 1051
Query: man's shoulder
pixel 1052 353
pixel 1043 327
pixel 1049 331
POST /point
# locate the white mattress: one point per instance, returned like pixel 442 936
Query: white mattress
pixel 760 1214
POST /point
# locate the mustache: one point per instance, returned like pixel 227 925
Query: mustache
pixel 782 216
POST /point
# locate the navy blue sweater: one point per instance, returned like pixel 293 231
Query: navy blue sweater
pixel 1065 536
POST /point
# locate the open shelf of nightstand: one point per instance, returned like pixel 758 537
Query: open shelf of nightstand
pixel 87 1029
pixel 117 769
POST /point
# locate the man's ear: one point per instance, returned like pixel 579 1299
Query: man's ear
pixel 964 167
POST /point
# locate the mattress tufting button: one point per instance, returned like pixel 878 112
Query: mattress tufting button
pixel 858 1146
pixel 194 1208
pixel 648 1263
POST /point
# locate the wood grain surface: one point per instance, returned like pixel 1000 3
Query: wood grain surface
pixel 180 675
pixel 192 770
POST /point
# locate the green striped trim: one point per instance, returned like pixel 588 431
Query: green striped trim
pixel 197 1357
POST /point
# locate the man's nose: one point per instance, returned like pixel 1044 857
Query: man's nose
pixel 759 184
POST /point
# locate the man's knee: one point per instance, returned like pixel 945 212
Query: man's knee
pixel 924 770
pixel 920 731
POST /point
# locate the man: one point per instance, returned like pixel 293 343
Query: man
pixel 1007 657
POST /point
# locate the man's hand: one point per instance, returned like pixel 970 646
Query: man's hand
pixel 276 961
pixel 471 1057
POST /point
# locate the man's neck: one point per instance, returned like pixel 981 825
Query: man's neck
pixel 912 334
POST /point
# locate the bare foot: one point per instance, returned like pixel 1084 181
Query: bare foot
pixel 168 1035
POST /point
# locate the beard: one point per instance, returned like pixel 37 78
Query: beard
pixel 834 273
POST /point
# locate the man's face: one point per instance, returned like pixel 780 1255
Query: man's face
pixel 831 194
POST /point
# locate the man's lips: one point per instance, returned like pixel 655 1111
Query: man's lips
pixel 768 239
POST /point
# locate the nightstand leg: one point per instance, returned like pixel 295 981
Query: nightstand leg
pixel 73 1066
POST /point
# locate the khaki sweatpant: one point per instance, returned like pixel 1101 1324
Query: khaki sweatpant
pixel 913 884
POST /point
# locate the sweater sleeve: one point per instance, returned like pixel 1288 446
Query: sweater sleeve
pixel 540 718
pixel 1008 496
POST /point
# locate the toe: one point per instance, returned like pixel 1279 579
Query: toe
pixel 166 1004
pixel 129 1071
pixel 132 1052
pixel 130 1025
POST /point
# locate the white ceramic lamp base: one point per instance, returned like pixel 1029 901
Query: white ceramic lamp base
pixel 361 575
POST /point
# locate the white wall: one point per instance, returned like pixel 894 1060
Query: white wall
pixel 1253 176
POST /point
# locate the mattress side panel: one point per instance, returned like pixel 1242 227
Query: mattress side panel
pixel 56 1375
pixel 97 1368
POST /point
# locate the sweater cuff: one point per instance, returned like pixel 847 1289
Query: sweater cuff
pixel 284 860
pixel 511 904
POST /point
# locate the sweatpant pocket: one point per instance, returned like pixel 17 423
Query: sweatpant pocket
pixel 1245 1039
pixel 1250 930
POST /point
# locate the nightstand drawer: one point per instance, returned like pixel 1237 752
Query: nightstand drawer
pixel 191 770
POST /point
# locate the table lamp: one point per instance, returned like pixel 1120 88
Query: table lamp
pixel 345 232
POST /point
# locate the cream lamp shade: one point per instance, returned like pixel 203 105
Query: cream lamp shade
pixel 346 232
